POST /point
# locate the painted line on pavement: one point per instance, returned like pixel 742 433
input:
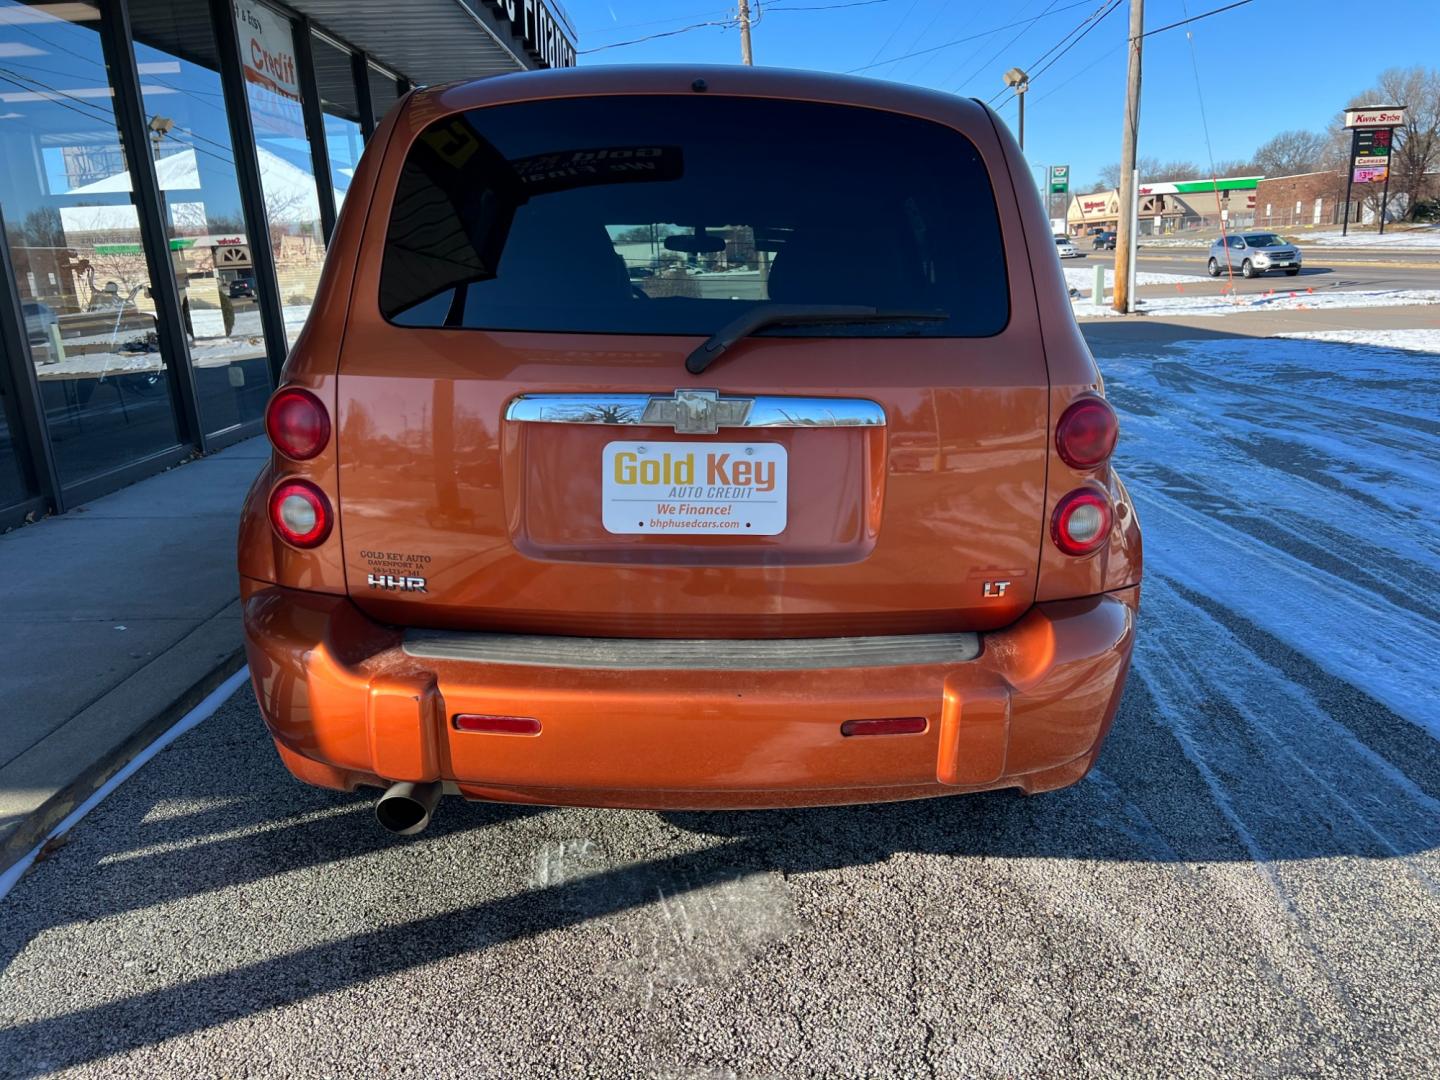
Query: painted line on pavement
pixel 193 718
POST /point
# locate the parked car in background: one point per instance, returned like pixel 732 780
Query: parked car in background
pixel 529 534
pixel 242 288
pixel 38 320
pixel 1252 254
pixel 1066 247
pixel 1104 241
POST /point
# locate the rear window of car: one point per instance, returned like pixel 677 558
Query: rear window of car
pixel 674 215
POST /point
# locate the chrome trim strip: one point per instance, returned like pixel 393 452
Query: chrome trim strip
pixel 764 410
pixel 719 654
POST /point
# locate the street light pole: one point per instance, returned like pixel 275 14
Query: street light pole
pixel 1128 225
pixel 1021 82
pixel 746 57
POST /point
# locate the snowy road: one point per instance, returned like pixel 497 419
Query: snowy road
pixel 1248 884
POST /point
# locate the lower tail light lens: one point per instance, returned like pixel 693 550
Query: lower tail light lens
pixel 497 725
pixel 297 423
pixel 1081 524
pixel 1085 436
pixel 300 513
pixel 890 725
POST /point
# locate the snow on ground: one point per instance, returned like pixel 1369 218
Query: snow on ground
pixel 1281 299
pixel 1426 237
pixel 1083 277
pixel 1288 499
pixel 1420 339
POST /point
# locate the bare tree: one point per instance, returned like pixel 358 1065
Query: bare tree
pixel 1151 170
pixel 1291 153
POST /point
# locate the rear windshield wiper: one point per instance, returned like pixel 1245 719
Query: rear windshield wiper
pixel 757 318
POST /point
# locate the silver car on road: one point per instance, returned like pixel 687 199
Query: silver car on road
pixel 1252 254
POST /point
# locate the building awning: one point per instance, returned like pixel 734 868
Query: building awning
pixel 427 41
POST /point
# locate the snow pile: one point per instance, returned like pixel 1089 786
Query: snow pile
pixel 1280 300
pixel 1427 237
pixel 1083 277
pixel 1420 339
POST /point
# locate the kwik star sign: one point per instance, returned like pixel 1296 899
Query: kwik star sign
pixel 1374 127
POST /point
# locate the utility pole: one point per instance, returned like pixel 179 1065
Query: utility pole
pixel 745 56
pixel 1125 239
pixel 1021 82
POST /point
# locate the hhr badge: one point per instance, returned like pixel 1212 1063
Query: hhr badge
pixel 396 584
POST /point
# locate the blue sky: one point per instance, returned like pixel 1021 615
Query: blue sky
pixel 1318 51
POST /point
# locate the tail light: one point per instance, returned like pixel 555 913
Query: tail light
pixel 297 423
pixel 1081 524
pixel 1085 436
pixel 300 513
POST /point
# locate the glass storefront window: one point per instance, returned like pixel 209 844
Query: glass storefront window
pixel 344 139
pixel 75 243
pixel 209 236
pixel 15 486
pixel 384 91
pixel 287 173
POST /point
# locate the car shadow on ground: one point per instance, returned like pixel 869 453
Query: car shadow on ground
pixel 1146 803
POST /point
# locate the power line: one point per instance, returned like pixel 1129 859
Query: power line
pixel 1197 18
pixel 893 31
pixel 1094 21
pixel 967 38
pixel 662 34
pixel 993 56
pixel 1148 33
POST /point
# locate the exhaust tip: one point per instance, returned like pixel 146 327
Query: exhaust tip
pixel 405 808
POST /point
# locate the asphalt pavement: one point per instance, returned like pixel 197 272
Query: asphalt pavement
pixel 1247 885
pixel 1323 269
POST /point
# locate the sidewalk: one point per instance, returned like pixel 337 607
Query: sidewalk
pixel 116 619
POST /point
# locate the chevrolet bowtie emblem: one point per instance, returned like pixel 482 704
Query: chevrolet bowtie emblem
pixel 697 412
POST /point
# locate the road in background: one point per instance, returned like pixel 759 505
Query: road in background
pixel 1323 269
pixel 1248 884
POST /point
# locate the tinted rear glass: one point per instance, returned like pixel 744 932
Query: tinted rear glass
pixel 673 215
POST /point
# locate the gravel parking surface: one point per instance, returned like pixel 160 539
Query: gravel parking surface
pixel 1246 885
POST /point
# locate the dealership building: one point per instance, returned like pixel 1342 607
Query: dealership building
pixel 170 172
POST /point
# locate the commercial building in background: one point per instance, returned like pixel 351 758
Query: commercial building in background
pixel 170 171
pixel 1169 206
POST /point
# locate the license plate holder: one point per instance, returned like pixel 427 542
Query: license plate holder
pixel 694 488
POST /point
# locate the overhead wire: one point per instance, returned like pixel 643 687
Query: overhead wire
pixel 1094 20
pixel 967 38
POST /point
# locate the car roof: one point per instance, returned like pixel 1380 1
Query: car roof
pixel 719 80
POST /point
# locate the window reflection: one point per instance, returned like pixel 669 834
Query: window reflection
pixel 287 175
pixel 344 139
pixel 209 238
pixel 75 242
pixel 384 91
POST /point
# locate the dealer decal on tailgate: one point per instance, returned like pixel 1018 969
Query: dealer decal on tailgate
pixel 688 487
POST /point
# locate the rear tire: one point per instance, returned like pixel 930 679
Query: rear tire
pixel 1213 269
pixel 1246 269
pixel 1291 273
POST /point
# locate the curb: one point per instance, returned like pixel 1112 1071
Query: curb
pixel 133 714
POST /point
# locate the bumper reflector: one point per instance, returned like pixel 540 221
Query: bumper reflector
pixel 899 725
pixel 497 725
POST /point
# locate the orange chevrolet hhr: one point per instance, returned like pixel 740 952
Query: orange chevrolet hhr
pixel 665 437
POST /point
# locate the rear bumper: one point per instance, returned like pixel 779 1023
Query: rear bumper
pixel 347 705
